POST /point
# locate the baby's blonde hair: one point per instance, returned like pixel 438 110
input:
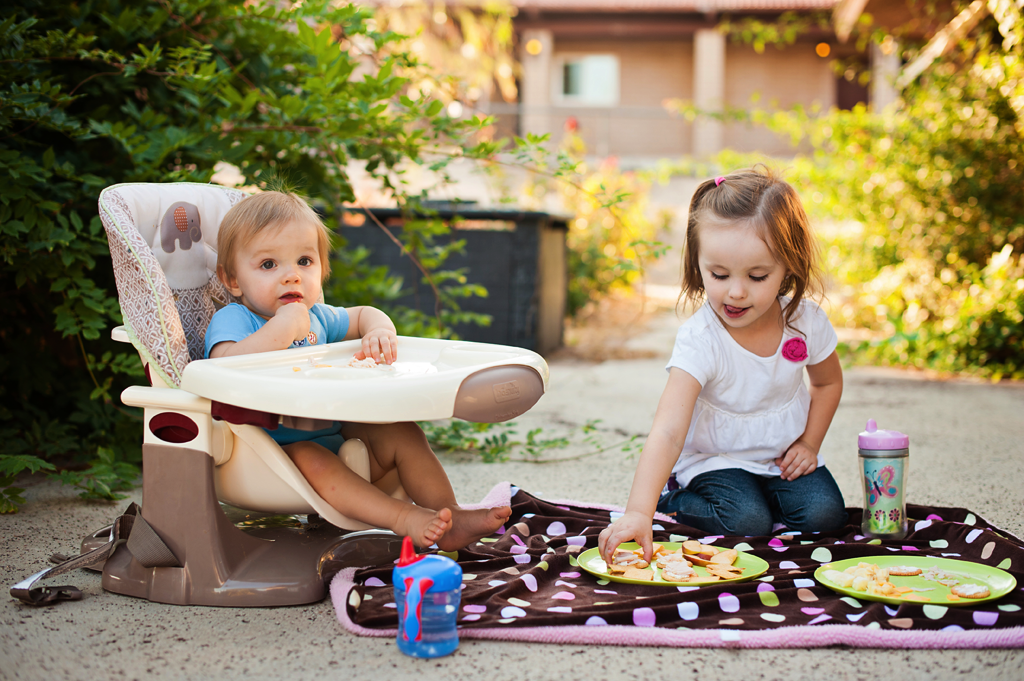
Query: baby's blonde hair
pixel 772 208
pixel 258 212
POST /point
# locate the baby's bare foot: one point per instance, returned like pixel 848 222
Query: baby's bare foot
pixel 423 526
pixel 469 526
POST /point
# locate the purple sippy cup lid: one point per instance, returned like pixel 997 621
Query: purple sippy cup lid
pixel 873 438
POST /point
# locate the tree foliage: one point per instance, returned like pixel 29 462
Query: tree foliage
pixel 929 250
pixel 106 91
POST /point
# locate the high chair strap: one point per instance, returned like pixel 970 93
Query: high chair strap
pixel 129 528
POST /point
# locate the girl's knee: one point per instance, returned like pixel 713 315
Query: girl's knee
pixel 822 515
pixel 745 520
pixel 748 525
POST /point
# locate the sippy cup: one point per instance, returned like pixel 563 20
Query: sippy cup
pixel 883 458
pixel 427 592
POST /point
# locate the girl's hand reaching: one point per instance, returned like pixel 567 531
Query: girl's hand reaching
pixel 381 343
pixel 798 460
pixel 631 526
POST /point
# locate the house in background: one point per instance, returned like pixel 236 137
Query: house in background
pixel 606 68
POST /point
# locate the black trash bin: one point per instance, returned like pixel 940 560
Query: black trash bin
pixel 518 256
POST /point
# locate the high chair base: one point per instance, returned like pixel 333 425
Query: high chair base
pixel 222 565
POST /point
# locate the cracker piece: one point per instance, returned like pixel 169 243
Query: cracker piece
pixel 723 571
pixel 669 577
pixel 904 571
pixel 971 591
pixel 637 573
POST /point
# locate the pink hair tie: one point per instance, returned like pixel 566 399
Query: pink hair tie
pixel 719 180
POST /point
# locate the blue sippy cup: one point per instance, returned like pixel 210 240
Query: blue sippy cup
pixel 427 592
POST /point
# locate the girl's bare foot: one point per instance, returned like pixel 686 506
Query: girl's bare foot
pixel 469 526
pixel 423 526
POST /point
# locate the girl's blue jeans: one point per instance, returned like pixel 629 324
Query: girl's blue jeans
pixel 737 502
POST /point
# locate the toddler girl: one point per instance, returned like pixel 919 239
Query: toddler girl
pixel 736 433
pixel 272 254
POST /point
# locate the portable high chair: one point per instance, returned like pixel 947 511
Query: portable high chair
pixel 204 437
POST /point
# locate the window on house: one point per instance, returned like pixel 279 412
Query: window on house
pixel 591 80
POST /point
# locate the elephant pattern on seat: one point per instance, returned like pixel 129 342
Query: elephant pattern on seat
pixel 164 255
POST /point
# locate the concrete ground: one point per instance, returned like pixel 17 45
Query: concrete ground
pixel 967 449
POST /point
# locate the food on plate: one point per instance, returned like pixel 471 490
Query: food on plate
pixel 691 546
pixel 638 573
pixel 700 554
pixel 675 566
pixel 904 571
pixel 723 571
pixel 866 577
pixel 665 558
pixel 872 579
pixel 971 591
pixel 623 559
pixel 677 569
pixel 838 578
pixel 367 363
pixel 943 577
pixel 727 557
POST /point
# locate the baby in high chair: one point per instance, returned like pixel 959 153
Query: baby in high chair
pixel 272 254
pixel 736 435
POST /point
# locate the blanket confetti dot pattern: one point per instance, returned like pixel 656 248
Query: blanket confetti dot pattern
pixel 524 583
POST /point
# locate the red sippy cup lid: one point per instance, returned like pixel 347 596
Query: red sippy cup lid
pixel 408 555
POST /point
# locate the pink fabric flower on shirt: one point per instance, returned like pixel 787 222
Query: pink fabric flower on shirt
pixel 795 350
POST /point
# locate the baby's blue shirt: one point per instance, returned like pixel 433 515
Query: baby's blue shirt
pixel 327 324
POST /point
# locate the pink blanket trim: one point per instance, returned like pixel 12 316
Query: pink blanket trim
pixel 789 637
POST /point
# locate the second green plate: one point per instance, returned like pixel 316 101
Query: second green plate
pixel 999 582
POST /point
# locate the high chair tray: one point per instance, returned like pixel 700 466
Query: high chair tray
pixel 432 379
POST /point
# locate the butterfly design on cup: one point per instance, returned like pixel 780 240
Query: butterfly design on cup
pixel 880 484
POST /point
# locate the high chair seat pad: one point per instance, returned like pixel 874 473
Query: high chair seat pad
pixel 163 244
pixel 429 381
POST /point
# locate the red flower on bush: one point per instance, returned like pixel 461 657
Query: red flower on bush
pixel 795 350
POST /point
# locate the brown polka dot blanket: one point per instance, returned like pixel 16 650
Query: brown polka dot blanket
pixel 524 583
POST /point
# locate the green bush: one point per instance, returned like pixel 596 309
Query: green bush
pixel 610 237
pixel 108 91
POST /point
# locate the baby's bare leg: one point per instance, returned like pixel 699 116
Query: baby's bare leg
pixel 353 496
pixel 404 447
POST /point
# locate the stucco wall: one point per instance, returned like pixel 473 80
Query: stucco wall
pixel 781 78
pixel 652 71
pixel 649 73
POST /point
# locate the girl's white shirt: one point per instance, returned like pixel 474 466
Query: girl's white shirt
pixel 750 408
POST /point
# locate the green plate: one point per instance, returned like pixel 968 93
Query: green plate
pixel 591 561
pixel 999 582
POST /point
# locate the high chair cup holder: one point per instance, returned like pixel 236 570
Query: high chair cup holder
pixel 232 520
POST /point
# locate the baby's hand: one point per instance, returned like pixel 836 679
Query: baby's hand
pixel 381 343
pixel 635 526
pixel 798 460
pixel 296 318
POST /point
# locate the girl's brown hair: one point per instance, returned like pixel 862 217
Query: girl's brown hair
pixel 270 209
pixel 773 210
